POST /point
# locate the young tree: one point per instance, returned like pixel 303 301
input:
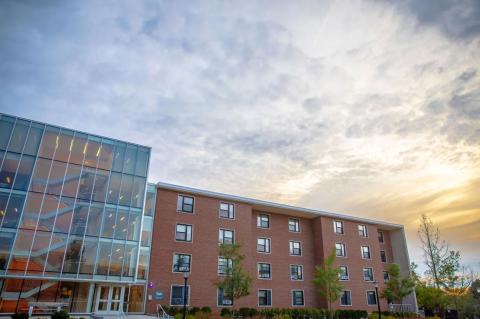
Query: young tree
pixel 397 288
pixel 237 282
pixel 440 261
pixel 327 280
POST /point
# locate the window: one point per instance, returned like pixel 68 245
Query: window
pixel 362 231
pixel 263 221
pixel 224 266
pixel 185 204
pixel 181 262
pixel 296 272
pixel 295 248
pixel 340 250
pixel 343 273
pixel 264 297
pixel 371 298
pixel 264 271
pixel 225 236
pixel 183 232
pixel 177 295
pixel 346 298
pixel 338 227
pixel 227 210
pixel 368 274
pixel 293 225
pixel 386 276
pixel 380 237
pixel 297 298
pixel 223 299
pixel 383 256
pixel 365 252
pixel 263 245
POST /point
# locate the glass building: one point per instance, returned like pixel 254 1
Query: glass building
pixel 76 218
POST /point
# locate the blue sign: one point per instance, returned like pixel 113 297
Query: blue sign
pixel 158 295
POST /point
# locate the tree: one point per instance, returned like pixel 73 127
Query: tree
pixel 237 282
pixel 432 299
pixel 440 261
pixel 397 288
pixel 327 280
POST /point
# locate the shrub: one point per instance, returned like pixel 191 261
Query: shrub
pixel 202 315
pixel 62 314
pixel 226 312
pixel 20 315
pixel 207 309
pixel 193 310
pixel 253 312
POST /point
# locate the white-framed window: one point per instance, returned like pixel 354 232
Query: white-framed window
pixel 381 239
pixel 183 232
pixel 227 210
pixel 386 276
pixel 340 250
pixel 295 248
pixel 343 273
pixel 383 256
pixel 264 270
pixel 223 299
pixel 185 204
pixel 177 294
pixel 226 236
pixel 265 297
pixel 263 245
pixel 346 298
pixel 366 252
pixel 297 298
pixel 296 272
pixel 224 266
pixel 368 274
pixel 371 298
pixel 263 221
pixel 294 225
pixel 338 227
pixel 181 262
pixel 362 231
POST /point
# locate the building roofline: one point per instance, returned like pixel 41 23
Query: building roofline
pixel 275 207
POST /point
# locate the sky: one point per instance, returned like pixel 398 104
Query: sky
pixel 368 108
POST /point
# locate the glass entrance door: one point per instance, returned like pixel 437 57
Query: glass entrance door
pixel 109 299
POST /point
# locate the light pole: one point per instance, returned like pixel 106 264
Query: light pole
pixel 375 284
pixel 185 278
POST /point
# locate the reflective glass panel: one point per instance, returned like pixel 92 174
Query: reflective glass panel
pixel 79 222
pixel 36 264
pixel 72 179
pixel 150 202
pixel 86 183
pixel 72 255
pixel 65 292
pixel 134 225
pixel 117 260
pixel 55 180
pixel 7 174
pixel 100 185
pixel 64 215
pixel 49 291
pixel 6 127
pixel 142 162
pixel 30 289
pixel 56 254
pixel 94 219
pixel 119 154
pixel 121 226
pixel 48 212
pixel 3 205
pixel 10 294
pixel 31 211
pixel 78 148
pixel 126 190
pixel 14 209
pixel 49 142
pixel 6 242
pixel 89 253
pixel 63 143
pixel 147 231
pixel 105 159
pixel 138 191
pixel 19 136
pixel 136 298
pixel 21 250
pixel 24 173
pixel 103 258
pixel 114 188
pixel 92 151
pixel 143 263
pixel 130 157
pixel 109 222
pixel 33 139
pixel 80 297
pixel 130 260
pixel 40 175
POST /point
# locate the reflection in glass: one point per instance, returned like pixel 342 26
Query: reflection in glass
pixel 31 211
pixel 20 252
pixel 138 191
pixel 30 289
pixel 109 222
pixel 103 258
pixel 14 210
pixel 150 202
pixel 72 255
pixel 94 219
pixel 49 142
pixel 6 242
pixel 64 215
pixel 40 175
pixel 117 260
pixel 106 155
pixel 79 222
pixel 72 179
pixel 24 173
pixel 114 188
pixel 100 185
pixel 80 297
pixel 119 154
pixel 86 183
pixel 56 254
pixel 19 136
pixel 6 127
pixel 143 263
pixel 7 174
pixel 55 180
pixel 11 288
pixel 130 157
pixel 147 231
pixel 126 190
pixel 121 224
pixel 49 291
pixel 36 264
pixel 33 139
pixel 89 253
pixel 134 225
pixel 142 162
pixel 130 260
pixel 78 148
pixel 48 213
pixel 136 297
pixel 65 292
pixel 63 144
pixel 92 151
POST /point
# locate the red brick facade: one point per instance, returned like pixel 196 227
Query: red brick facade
pixel 317 239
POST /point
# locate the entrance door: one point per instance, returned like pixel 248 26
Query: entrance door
pixel 109 299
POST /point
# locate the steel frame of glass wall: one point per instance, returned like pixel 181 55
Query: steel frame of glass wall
pixel 71 210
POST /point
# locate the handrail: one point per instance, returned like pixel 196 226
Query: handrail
pixel 164 313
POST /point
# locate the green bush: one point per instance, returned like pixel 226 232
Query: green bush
pixel 226 312
pixel 62 314
pixel 20 315
pixel 207 309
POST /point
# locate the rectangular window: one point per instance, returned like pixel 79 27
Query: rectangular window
pixel 371 298
pixel 386 276
pixel 366 252
pixel 295 248
pixel 265 297
pixel 343 273
pixel 338 227
pixel 263 221
pixel 224 266
pixel 362 231
pixel 181 262
pixel 368 274
pixel 346 298
pixel 227 210
pixel 223 299
pixel 340 250
pixel 183 232
pixel 264 271
pixel 263 245
pixel 293 225
pixel 226 236
pixel 380 237
pixel 383 256
pixel 296 272
pixel 297 298
pixel 177 295
pixel 185 204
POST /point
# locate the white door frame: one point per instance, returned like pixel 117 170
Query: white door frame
pixel 110 301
